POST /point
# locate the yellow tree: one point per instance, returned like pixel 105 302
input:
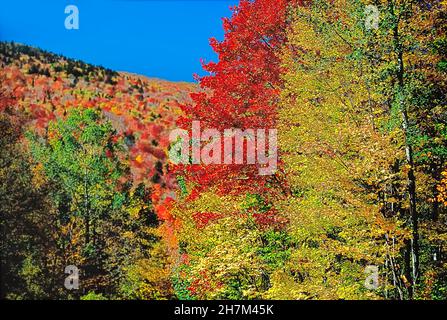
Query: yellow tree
pixel 339 163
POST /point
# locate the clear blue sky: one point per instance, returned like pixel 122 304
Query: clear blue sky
pixel 162 39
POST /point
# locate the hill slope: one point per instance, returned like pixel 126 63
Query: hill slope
pixel 45 85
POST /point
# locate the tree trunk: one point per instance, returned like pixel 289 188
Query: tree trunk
pixel 86 209
pixel 411 179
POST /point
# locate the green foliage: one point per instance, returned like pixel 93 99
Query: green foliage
pixel 101 224
pixel 93 296
pixel 277 248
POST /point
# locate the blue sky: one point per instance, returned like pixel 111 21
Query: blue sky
pixel 162 39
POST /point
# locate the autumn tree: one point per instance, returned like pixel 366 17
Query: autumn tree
pixel 407 52
pixel 240 92
pixel 31 258
pixel 336 161
pixel 353 101
pixel 106 223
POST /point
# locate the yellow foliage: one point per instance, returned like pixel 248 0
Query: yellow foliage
pixel 442 189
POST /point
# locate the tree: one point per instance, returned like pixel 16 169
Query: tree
pixel 241 92
pixel 353 96
pixel 31 261
pixel 337 162
pixel 410 78
pixel 106 224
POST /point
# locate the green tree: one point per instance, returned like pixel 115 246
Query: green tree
pixel 105 222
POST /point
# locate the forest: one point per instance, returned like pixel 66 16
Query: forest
pixel 356 208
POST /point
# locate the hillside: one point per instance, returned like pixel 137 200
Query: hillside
pixel 46 85
pixel 101 136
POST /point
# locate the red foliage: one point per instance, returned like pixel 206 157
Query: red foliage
pixel 270 219
pixel 203 283
pixel 241 90
pixel 202 219
pixel 143 118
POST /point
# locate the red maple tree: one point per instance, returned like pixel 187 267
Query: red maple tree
pixel 241 90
